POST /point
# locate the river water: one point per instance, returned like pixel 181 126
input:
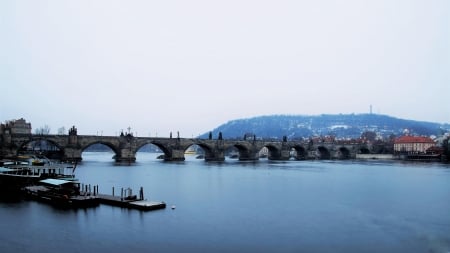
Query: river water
pixel 292 206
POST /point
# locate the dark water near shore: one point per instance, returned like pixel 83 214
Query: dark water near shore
pixel 295 206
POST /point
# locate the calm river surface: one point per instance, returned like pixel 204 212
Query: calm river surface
pixel 294 206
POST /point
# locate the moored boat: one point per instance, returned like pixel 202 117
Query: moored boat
pixel 13 179
pixel 14 175
pixel 61 193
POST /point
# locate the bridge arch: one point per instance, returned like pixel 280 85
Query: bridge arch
pixel 343 153
pixel 158 145
pixel 300 152
pixel 245 153
pixel 27 142
pixel 55 152
pixel 364 150
pixel 162 147
pixel 108 144
pixel 206 150
pixel 323 153
pixel 232 152
pixel 273 153
pixel 148 146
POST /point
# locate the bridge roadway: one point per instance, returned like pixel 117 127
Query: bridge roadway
pixel 125 147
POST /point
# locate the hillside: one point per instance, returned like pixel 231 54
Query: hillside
pixel 340 125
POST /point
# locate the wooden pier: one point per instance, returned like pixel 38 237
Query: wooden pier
pixel 139 204
pixel 127 200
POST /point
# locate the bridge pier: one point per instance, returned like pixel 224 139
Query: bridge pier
pixel 120 159
pixel 125 155
pixel 72 155
pixel 248 150
pixel 215 153
pixel 175 155
pixel 285 155
pixel 282 155
pixel 215 156
pixel 250 156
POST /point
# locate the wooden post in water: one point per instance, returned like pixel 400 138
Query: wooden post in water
pixel 141 193
pixel 113 191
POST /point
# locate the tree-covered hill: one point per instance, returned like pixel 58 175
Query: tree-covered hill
pixel 340 125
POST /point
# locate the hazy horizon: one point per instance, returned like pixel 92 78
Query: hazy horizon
pixel 190 66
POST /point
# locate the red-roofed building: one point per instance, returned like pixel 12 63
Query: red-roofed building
pixel 413 144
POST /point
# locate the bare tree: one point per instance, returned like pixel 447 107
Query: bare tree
pixel 42 130
pixel 61 130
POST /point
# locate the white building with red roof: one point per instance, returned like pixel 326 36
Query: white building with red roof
pixel 413 144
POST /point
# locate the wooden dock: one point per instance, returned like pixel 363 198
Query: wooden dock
pixel 126 199
pixel 139 204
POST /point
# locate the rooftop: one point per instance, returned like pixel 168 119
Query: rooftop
pixel 413 139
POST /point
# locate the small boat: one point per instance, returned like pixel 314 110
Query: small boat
pixel 14 175
pixel 35 160
pixel 61 193
pixel 13 179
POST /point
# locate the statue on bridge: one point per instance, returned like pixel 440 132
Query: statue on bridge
pixel 73 130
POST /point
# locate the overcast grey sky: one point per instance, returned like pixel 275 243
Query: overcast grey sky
pixel 189 66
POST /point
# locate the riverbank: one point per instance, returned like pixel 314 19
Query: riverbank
pixel 376 156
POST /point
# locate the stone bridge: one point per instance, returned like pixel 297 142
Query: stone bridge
pixel 70 147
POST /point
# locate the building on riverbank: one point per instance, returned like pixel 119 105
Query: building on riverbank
pixel 413 144
pixel 19 126
pixel 418 148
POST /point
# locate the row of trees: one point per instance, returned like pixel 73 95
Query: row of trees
pixel 46 130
